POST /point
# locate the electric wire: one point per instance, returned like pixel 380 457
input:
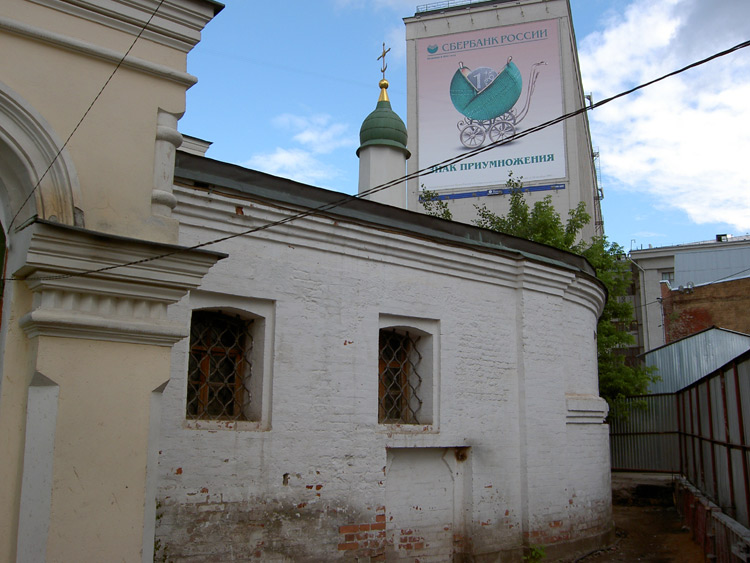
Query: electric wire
pixel 83 117
pixel 421 172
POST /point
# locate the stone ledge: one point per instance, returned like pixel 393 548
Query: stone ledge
pixel 585 409
pixel 80 292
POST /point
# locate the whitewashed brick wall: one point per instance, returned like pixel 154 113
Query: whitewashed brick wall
pixel 311 481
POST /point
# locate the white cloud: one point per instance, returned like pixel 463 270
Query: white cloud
pixel 685 139
pixel 317 132
pixel 396 40
pixel 395 35
pixel 296 164
pixel 318 135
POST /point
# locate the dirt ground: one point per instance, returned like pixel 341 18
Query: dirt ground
pixel 652 534
pixel 648 527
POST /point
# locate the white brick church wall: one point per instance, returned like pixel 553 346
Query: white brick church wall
pixel 504 460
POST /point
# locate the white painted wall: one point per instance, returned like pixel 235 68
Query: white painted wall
pixel 379 165
pixel 513 341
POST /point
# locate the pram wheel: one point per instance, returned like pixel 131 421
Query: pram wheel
pixel 501 130
pixel 472 136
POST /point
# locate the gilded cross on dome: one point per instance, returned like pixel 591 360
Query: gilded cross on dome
pixel 382 56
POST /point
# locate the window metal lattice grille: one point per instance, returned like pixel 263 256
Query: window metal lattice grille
pixel 219 367
pixel 399 381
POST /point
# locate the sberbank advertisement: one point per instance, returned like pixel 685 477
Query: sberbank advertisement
pixel 483 87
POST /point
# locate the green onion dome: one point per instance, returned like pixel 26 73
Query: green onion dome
pixel 383 126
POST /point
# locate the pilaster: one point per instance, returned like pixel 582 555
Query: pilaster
pixel 103 341
pixel 168 140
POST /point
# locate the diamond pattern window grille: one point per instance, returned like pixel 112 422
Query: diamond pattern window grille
pixel 399 381
pixel 219 367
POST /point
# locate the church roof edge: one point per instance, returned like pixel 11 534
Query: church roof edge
pixel 282 190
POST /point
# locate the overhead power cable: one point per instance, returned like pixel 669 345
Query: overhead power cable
pixel 83 117
pixel 422 172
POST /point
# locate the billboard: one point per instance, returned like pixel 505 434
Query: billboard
pixel 477 87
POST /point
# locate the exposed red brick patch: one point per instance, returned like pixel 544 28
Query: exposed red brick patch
pixel 367 539
pixel 348 546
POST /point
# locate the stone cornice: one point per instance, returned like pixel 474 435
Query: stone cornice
pixel 102 53
pixel 218 213
pixel 177 24
pixel 200 210
pixel 585 409
pixel 244 183
pixel 124 304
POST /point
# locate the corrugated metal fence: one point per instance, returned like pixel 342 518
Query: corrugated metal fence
pixel 649 439
pixel 701 432
pixel 722 539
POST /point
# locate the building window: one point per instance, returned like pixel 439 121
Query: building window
pixel 401 391
pixel 668 276
pixel 219 367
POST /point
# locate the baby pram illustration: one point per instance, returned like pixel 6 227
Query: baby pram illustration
pixel 486 99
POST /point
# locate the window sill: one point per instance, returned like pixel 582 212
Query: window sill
pixel 217 425
pixel 407 429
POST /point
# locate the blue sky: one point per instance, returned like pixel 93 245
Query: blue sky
pixel 284 88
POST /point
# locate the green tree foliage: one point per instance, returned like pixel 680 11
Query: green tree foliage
pixel 617 380
pixel 434 206
pixel 542 223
